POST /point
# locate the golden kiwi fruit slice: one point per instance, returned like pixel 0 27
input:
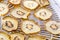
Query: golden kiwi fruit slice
pixel 36 37
pixel 19 12
pixel 53 27
pixel 4 36
pixel 30 4
pixel 43 2
pixel 3 9
pixel 29 27
pixel 17 36
pixel 9 23
pixel 43 14
pixel 15 2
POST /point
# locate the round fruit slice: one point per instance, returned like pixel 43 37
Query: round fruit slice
pixel 9 23
pixel 15 1
pixel 17 36
pixel 43 2
pixel 43 14
pixel 53 27
pixel 3 9
pixel 30 4
pixel 29 27
pixel 4 36
pixel 19 12
pixel 36 38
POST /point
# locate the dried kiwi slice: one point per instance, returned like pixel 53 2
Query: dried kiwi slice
pixel 43 2
pixel 15 2
pixel 4 36
pixel 43 14
pixel 29 27
pixel 19 12
pixel 17 36
pixel 30 4
pixel 9 23
pixel 3 9
pixel 53 27
pixel 36 37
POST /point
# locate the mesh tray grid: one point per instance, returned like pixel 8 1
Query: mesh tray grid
pixel 43 31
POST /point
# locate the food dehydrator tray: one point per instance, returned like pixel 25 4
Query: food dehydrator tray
pixel 43 32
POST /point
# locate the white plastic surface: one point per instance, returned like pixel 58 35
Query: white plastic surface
pixel 55 4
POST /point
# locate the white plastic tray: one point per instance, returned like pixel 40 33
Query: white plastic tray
pixel 56 16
